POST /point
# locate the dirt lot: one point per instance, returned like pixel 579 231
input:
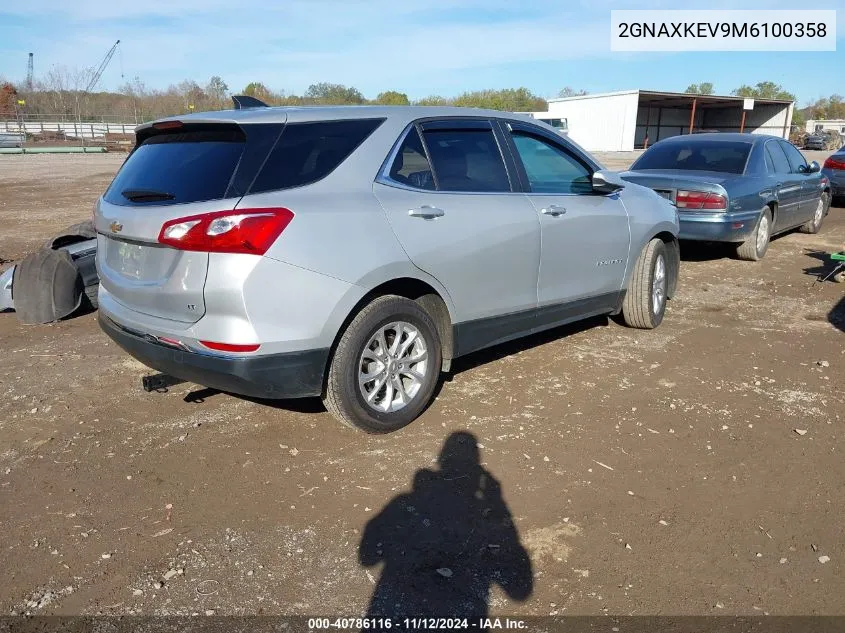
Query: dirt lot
pixel 694 469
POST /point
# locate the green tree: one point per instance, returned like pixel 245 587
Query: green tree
pixel 704 88
pixel 333 94
pixel 258 90
pixel 216 90
pixel 566 91
pixel 764 90
pixel 391 97
pixel 433 100
pixel 832 107
pixel 509 99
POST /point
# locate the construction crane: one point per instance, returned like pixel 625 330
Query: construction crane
pixel 29 73
pixel 99 72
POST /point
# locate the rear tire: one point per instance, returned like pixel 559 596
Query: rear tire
pixel 645 301
pixel 754 248
pixel 815 224
pixel 385 367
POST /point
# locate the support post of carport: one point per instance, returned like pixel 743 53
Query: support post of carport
pixel 742 123
pixel 692 114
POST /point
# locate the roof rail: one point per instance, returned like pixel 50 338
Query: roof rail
pixel 245 101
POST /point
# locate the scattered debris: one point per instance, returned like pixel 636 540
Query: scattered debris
pixel 823 363
pixel 445 572
pixel 158 584
pixel 662 522
pixel 603 465
pixel 138 592
pixel 783 561
pixel 801 432
pixel 824 559
pixel 107 555
pixel 204 588
pixel 162 532
pixel 170 573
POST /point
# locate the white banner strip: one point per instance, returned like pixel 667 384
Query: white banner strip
pixel 741 30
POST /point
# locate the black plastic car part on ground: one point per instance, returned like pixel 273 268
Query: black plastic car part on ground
pixel 59 279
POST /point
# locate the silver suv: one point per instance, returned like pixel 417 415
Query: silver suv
pixel 353 252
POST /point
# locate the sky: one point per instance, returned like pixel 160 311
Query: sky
pixel 423 47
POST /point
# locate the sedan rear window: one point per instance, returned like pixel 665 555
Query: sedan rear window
pixel 723 156
pixel 185 165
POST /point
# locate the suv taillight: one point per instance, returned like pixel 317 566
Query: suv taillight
pixel 250 231
pixel 700 200
pixel 834 163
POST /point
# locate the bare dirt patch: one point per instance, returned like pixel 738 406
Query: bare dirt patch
pixel 644 472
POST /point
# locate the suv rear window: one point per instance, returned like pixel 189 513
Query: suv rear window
pixel 190 164
pixel 724 156
pixel 308 152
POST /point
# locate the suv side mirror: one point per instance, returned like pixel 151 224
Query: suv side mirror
pixel 814 168
pixel 605 181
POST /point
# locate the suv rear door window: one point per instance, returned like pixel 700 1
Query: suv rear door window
pixel 188 164
pixel 466 159
pixel 411 167
pixel 308 152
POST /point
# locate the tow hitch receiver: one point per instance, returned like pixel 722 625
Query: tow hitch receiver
pixel 159 383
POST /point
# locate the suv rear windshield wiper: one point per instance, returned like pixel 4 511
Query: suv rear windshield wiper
pixel 146 195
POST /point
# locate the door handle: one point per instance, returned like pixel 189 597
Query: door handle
pixel 553 210
pixel 426 212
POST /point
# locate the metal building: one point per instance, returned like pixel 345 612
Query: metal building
pixel 818 125
pixel 634 119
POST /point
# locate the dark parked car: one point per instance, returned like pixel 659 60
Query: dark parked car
pixel 736 188
pixel 823 140
pixel 834 169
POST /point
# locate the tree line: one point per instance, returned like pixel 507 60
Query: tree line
pixel 61 92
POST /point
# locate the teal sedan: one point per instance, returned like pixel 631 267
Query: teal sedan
pixel 735 188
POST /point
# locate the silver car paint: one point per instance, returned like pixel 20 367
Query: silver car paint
pixel 340 245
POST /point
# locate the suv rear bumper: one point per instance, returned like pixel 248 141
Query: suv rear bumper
pixel 275 376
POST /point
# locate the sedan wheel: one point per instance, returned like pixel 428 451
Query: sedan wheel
pixel 755 247
pixel 815 225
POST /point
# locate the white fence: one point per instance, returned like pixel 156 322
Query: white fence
pixel 71 129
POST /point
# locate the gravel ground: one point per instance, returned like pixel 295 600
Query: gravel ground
pixel 694 469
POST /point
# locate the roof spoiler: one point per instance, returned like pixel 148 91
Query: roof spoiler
pixel 245 101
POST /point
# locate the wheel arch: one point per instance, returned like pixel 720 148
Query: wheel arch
pixel 673 260
pixel 667 233
pixel 432 299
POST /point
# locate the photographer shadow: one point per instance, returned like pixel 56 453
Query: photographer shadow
pixel 446 543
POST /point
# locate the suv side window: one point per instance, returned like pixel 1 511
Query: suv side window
pixel 550 168
pixel 411 166
pixel 308 152
pixel 777 157
pixel 796 159
pixel 466 159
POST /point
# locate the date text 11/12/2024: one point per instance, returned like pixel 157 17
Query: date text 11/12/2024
pixel 415 623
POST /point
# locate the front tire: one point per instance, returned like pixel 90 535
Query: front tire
pixel 645 301
pixel 754 248
pixel 815 224
pixel 385 367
